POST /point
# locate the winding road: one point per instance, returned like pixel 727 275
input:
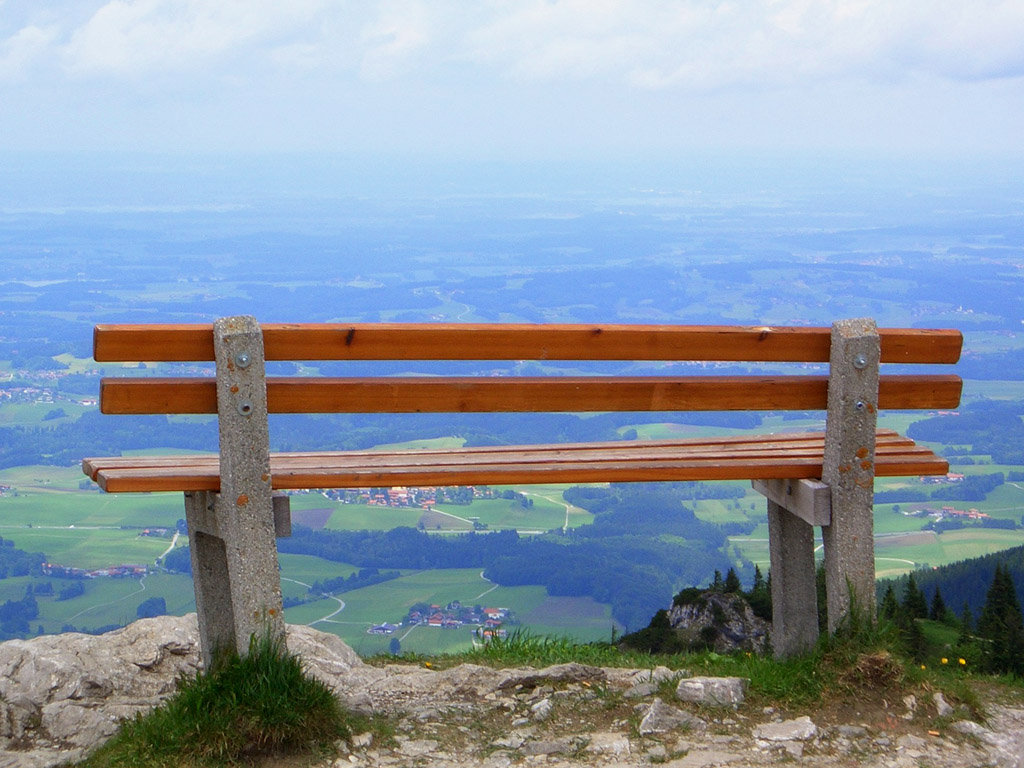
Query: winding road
pixel 324 619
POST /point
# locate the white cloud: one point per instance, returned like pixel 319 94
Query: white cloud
pixel 392 42
pixel 23 49
pixel 348 71
pixel 702 45
pixel 648 44
pixel 138 37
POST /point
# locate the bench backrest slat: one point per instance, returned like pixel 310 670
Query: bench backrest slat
pixel 465 341
pixel 524 394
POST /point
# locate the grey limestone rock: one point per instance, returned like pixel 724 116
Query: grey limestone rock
pixel 661 718
pixel 561 746
pixel 942 706
pixel 541 710
pixel 800 729
pixel 557 673
pixel 609 744
pixel 715 691
pixel 70 691
pixel 724 620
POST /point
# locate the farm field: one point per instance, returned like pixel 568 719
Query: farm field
pixel 390 602
pixel 89 548
pixel 898 552
pixel 104 602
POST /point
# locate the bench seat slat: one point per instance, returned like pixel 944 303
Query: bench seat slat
pixel 885 438
pixel 887 442
pixel 523 394
pixel 476 341
pixel 704 459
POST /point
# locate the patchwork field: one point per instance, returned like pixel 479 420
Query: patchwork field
pixel 390 602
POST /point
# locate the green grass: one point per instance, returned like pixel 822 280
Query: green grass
pixel 105 601
pixel 45 477
pixel 307 568
pixel 357 517
pixel 929 549
pixel 33 414
pixel 88 548
pixel 436 443
pixel 112 601
pixel 260 704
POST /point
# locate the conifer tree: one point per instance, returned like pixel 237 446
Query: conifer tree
pixel 938 610
pixel 964 638
pixel 732 583
pixel 913 638
pixel 1001 626
pixel 717 584
pixel 760 595
pixel 914 604
pixel 888 607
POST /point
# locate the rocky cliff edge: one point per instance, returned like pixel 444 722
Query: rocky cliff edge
pixel 61 695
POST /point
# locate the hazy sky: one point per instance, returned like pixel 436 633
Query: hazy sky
pixel 503 78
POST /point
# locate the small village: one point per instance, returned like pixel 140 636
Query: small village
pixel 114 572
pixel 486 623
pixel 422 498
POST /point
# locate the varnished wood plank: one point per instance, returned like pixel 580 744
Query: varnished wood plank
pixel 171 479
pixel 718 458
pixel 336 461
pixel 471 341
pixel 523 394
pixel 886 439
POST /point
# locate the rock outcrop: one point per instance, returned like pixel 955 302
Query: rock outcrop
pixel 62 695
pixel 721 621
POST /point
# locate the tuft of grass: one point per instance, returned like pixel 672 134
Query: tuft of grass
pixel 524 648
pixel 245 706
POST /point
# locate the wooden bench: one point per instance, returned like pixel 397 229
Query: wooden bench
pixel 812 478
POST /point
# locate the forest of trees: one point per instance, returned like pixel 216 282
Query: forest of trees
pixel 994 642
pixel 993 427
pixel 17 562
pixel 965 582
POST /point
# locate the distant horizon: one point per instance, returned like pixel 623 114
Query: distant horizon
pixel 56 178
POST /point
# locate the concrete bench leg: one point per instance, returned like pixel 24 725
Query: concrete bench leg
pixel 794 593
pixel 211 577
pixel 849 470
pixel 234 555
pixel 237 584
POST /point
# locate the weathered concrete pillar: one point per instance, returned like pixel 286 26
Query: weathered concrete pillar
pixel 794 593
pixel 794 508
pixel 211 577
pixel 234 555
pixel 849 470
